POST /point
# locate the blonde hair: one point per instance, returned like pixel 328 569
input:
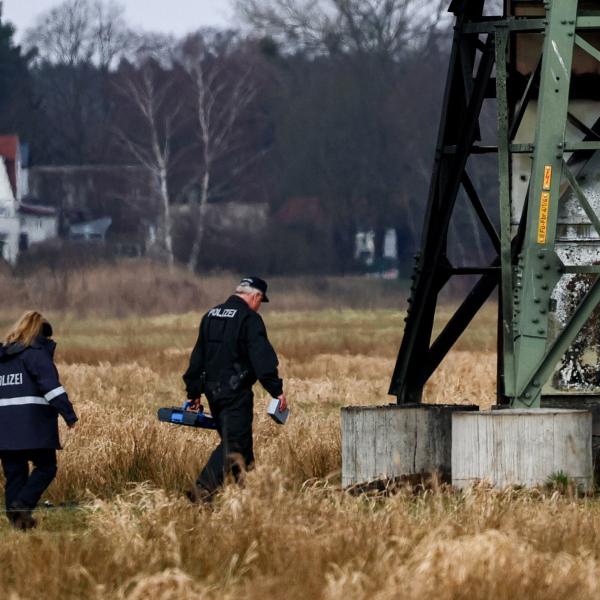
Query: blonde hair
pixel 26 329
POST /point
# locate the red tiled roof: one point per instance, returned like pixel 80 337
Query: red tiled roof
pixel 37 209
pixel 9 149
pixel 9 146
pixel 299 209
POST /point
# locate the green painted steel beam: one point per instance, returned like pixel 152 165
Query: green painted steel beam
pixel 504 176
pixel 587 47
pixel 515 148
pixel 582 269
pixel 526 25
pixel 522 148
pixel 516 24
pixel 589 133
pixel 521 108
pixel 588 22
pixel 582 146
pixel 459 122
pixel 539 269
pixel 527 267
pixel 531 390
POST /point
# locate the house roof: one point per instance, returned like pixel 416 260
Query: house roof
pixel 37 210
pixel 9 149
pixel 9 146
pixel 301 210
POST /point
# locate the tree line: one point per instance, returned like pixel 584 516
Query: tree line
pixel 335 102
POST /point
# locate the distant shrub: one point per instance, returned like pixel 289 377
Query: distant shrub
pixel 122 287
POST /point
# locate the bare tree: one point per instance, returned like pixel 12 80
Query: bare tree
pixel 81 31
pixel 384 27
pixel 223 92
pixel 366 48
pixel 149 90
pixel 76 44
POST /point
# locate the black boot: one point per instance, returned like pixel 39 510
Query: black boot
pixel 20 516
pixel 199 494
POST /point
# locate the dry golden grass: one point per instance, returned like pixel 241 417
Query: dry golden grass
pixel 290 532
pixel 141 287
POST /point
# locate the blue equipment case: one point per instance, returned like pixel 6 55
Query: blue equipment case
pixel 182 416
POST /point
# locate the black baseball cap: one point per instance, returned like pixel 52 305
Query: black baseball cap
pixel 257 283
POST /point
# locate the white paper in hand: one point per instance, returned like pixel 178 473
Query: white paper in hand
pixel 275 414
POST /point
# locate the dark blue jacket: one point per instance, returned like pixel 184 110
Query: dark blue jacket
pixel 233 340
pixel 31 397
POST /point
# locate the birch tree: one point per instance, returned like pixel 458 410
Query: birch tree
pixel 223 91
pixel 149 90
pixel 79 32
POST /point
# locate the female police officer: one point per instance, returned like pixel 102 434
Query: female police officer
pixel 31 398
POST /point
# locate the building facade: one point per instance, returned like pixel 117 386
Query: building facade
pixel 21 223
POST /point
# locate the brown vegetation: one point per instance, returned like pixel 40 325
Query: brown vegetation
pixel 138 287
pixel 290 532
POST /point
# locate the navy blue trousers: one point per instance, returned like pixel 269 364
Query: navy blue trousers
pixel 21 484
pixel 235 452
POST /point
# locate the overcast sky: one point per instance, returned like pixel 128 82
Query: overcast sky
pixel 168 16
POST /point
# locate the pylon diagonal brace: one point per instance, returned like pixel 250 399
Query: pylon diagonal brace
pixel 480 210
pixel 468 133
pixel 561 344
pixel 587 47
pixel 581 197
pixel 524 103
pixel 505 343
pixel 432 271
pixel 589 133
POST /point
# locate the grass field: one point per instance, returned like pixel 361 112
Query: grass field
pixel 290 532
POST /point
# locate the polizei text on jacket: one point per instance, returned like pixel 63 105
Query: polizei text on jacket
pixel 11 379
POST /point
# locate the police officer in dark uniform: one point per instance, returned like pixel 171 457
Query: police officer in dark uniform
pixel 231 354
pixel 31 398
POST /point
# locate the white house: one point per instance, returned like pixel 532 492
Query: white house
pixel 21 223
pixel 37 224
pixel 9 222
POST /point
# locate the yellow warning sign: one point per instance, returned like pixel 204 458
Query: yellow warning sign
pixel 543 222
pixel 547 177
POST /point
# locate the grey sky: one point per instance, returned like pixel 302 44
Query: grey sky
pixel 168 16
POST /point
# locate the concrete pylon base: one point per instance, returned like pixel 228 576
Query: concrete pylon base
pixel 522 447
pixel 392 441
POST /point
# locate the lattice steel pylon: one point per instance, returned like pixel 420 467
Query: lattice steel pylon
pixel 487 62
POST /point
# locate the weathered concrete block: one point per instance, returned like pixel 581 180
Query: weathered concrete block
pixel 396 440
pixel 589 402
pixel 521 447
